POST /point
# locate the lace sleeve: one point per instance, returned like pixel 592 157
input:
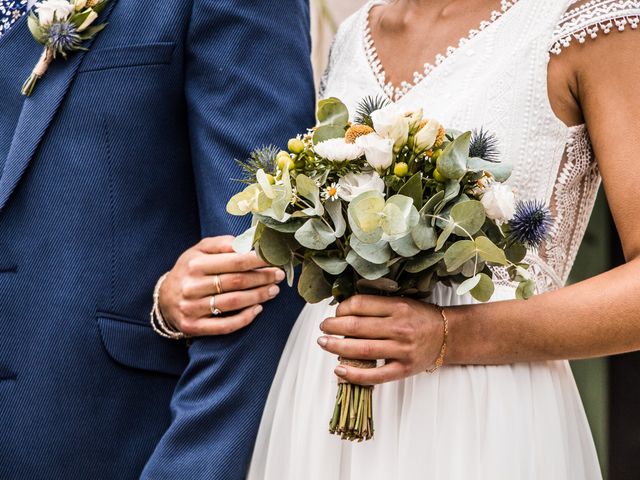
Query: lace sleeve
pixel 586 19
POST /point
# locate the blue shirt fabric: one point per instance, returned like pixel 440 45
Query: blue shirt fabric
pixel 10 12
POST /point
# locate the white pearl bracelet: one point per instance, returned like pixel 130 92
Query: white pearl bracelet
pixel 158 323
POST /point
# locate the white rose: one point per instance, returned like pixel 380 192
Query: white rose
pixel 61 9
pixel 499 202
pixel 427 135
pixel 337 150
pixel 389 122
pixel 378 150
pixel 353 184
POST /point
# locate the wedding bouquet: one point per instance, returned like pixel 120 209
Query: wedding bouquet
pixel 391 204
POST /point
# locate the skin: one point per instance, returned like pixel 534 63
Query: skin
pixel 247 283
pixel 594 83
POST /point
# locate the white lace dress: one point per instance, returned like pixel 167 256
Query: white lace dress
pixel 522 421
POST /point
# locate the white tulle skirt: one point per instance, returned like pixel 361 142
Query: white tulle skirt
pixel 523 421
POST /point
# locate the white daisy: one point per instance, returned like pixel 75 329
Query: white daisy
pixel 337 150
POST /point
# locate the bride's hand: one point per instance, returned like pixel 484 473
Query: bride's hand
pixel 244 280
pixel 408 334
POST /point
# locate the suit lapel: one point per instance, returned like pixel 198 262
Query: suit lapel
pixel 37 113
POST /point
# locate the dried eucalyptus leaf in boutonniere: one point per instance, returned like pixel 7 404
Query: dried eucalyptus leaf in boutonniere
pixel 62 26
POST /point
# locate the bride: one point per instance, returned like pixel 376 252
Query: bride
pixel 545 77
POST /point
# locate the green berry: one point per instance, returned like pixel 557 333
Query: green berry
pixel 401 169
pixel 296 146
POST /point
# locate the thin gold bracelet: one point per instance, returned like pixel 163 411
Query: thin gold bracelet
pixel 443 350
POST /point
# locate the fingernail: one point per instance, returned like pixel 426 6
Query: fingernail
pixel 322 341
pixel 340 371
pixel 280 275
pixel 258 309
pixel 322 326
pixel 273 291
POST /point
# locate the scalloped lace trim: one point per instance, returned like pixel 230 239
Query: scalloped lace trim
pixel 592 18
pixel 396 92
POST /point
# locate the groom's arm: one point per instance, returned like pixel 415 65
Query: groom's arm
pixel 248 82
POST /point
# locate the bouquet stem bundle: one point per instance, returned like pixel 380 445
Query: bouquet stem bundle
pixel 353 413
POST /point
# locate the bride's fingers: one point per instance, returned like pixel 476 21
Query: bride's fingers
pixel 359 327
pixel 361 349
pixel 231 302
pixel 368 305
pixel 225 263
pixel 372 376
pixel 221 325
pixel 201 287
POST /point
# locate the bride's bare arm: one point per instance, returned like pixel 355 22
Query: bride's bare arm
pixel 596 317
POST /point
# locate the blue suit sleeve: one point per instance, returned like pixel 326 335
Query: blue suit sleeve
pixel 248 83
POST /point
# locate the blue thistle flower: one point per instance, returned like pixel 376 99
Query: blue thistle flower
pixel 484 145
pixel 63 37
pixel 531 223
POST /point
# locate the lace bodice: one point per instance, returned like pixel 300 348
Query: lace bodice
pixel 496 78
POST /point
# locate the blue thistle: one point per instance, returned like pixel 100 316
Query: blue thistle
pixel 531 223
pixel 484 145
pixel 63 37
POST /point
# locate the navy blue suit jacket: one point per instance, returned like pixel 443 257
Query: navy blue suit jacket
pixel 120 161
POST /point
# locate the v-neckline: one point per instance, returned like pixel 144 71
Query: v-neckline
pixel 394 93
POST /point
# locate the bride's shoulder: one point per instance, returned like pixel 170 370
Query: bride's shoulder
pixel 586 20
pixel 351 27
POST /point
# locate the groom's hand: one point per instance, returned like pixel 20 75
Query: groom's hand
pixel 239 283
pixel 406 333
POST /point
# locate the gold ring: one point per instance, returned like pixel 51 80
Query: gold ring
pixel 217 283
pixel 215 311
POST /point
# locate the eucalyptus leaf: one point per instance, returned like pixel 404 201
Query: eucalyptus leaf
pixel 289 270
pixel 308 188
pixel 458 253
pixel 274 248
pixel 452 163
pixel 413 190
pixel 364 213
pixel 244 243
pixel 516 252
pixel 526 289
pixel 332 111
pixel 431 204
pixel 490 252
pixel 365 269
pixel 331 265
pixel 290 226
pixel 334 209
pixel 315 234
pixel 377 253
pixel 405 246
pixel 469 217
pixel 312 285
pixel 483 291
pixel 451 191
pixel 382 284
pixel 423 261
pixel 424 235
pixel 444 236
pixel 327 132
pixel 399 216
pixel 468 285
pixel 500 171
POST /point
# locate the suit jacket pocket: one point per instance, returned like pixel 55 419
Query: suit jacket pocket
pixel 134 344
pixel 159 53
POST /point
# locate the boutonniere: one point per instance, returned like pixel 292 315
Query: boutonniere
pixel 62 26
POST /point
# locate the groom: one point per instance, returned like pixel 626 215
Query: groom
pixel 119 161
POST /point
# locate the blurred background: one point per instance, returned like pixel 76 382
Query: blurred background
pixel 610 387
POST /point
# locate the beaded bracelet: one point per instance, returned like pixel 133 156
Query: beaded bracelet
pixel 158 323
pixel 443 350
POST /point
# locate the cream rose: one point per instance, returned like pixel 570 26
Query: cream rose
pixel 377 150
pixel 391 123
pixel 353 184
pixel 499 202
pixel 60 9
